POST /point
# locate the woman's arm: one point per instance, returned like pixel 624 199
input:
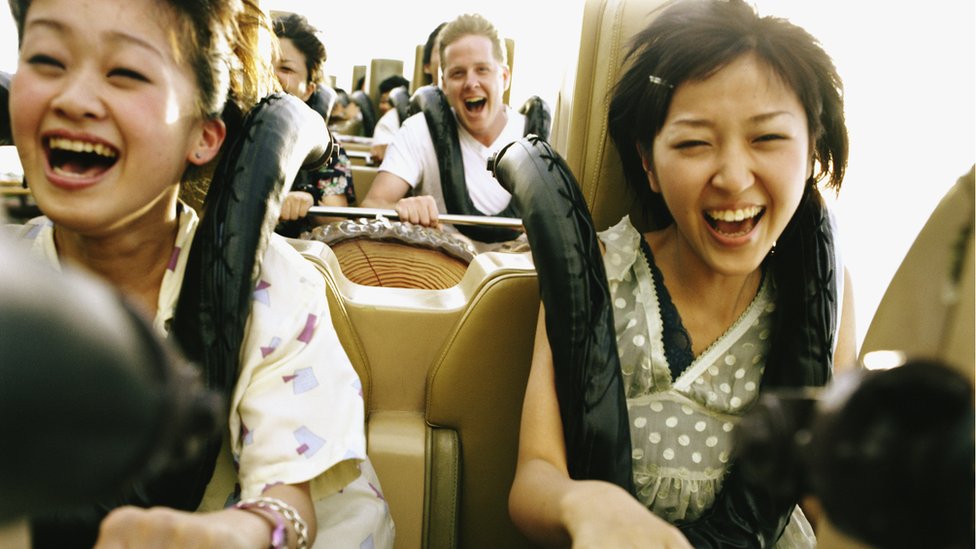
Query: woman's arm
pixel 164 528
pixel 548 506
pixel 845 354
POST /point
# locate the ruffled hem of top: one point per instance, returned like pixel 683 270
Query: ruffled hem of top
pixel 621 248
pixel 676 499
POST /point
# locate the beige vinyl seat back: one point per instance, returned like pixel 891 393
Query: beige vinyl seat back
pixel 580 133
pixel 379 70
pixel 443 374
pixel 358 71
pixel 929 307
pixel 418 68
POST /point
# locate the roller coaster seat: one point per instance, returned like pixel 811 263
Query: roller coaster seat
pixel 362 101
pixel 322 101
pixel 928 308
pixel 443 375
pixel 580 132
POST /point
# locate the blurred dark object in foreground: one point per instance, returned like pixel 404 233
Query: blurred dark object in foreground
pixel 90 398
pixel 887 455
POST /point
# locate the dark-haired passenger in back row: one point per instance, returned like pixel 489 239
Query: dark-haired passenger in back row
pixel 299 69
pixel 725 122
pixel 390 121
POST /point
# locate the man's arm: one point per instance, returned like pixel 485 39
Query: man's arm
pixel 388 191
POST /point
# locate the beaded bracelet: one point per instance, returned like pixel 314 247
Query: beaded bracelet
pixel 277 510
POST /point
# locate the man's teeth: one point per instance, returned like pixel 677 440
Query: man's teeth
pixel 81 146
pixel 734 215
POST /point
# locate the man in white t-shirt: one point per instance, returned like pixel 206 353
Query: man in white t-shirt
pixel 474 79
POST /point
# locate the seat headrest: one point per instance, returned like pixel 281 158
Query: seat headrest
pixel 580 131
pixel 322 100
pixel 361 100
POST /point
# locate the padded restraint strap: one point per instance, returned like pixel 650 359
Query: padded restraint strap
pixel 443 132
pixel 280 135
pixel 538 117
pixel 322 100
pixel 579 315
pixel 401 102
pixel 6 134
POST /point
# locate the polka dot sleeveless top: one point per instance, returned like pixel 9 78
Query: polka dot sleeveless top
pixel 681 425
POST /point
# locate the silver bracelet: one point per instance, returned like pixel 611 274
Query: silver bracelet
pixel 291 515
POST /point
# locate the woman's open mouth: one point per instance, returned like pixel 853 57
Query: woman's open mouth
pixel 734 223
pixel 78 159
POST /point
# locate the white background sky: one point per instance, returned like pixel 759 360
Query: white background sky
pixel 909 70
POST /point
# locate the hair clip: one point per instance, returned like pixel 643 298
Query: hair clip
pixel 660 82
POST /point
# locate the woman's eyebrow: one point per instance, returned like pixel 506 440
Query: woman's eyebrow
pixel 113 36
pixel 117 36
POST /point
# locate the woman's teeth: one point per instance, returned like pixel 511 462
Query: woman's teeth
pixel 61 143
pixel 730 216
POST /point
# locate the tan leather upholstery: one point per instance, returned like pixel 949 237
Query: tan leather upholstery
pixel 460 357
pixel 358 71
pixel 418 68
pixel 475 389
pixel 379 70
pixel 510 54
pixel 580 131
pixel 929 307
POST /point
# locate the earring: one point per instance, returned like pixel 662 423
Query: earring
pixel 196 155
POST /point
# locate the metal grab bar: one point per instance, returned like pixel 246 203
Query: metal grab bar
pixel 453 219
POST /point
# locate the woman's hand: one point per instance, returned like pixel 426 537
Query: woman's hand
pixel 296 205
pixel 164 528
pixel 602 515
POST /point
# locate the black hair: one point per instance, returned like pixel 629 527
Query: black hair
pixel 391 82
pixel 693 39
pixel 296 28
pixel 690 40
pixel 429 50
pixel 893 464
pixel 888 453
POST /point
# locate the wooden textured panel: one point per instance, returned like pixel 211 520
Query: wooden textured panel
pixel 396 265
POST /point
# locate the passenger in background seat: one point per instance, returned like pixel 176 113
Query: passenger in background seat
pixel 345 118
pixel 475 77
pixel 389 84
pixel 390 122
pixel 725 123
pixel 298 66
pixel 116 105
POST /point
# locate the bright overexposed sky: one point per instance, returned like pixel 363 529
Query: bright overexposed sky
pixel 910 86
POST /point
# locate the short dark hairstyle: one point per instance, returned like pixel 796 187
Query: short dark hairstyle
pixel 429 50
pixel 296 28
pixel 691 40
pixel 392 82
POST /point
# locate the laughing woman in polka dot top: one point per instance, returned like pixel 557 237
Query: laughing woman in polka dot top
pixel 725 123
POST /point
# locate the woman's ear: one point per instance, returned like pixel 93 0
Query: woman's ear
pixel 645 157
pixel 212 134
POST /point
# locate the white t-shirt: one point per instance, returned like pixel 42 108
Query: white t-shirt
pixel 411 157
pixel 386 128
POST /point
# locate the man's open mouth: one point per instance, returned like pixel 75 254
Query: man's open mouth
pixel 475 104
pixel 734 222
pixel 79 159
